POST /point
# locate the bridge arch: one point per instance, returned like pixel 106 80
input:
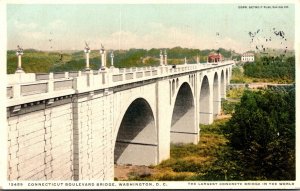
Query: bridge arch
pixel 205 116
pixel 183 120
pixel 137 133
pixel 216 96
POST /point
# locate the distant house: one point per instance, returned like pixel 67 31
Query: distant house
pixel 215 57
pixel 247 57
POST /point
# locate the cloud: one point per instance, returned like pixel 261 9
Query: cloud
pixel 162 36
pixel 56 24
pixel 25 26
pixel 229 43
pixel 33 35
pixel 155 35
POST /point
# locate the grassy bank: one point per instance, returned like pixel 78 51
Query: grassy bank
pixel 207 160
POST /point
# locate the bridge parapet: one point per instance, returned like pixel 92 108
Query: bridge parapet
pixel 23 87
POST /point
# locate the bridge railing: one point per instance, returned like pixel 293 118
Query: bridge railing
pixel 38 87
pixel 22 85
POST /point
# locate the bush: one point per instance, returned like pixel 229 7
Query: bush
pixel 235 93
pixel 228 107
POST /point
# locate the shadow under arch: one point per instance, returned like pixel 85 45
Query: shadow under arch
pixel 222 86
pixel 216 96
pixel 204 104
pixel 136 141
pixel 226 76
pixel 183 126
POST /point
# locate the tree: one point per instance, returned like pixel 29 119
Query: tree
pixel 262 131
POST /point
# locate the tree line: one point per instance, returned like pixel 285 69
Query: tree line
pixel 272 68
pixel 44 62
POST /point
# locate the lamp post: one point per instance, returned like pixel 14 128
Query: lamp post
pixel 161 58
pixel 166 58
pixel 198 60
pixel 87 54
pixel 102 52
pixel 112 59
pixel 19 54
pixel 185 61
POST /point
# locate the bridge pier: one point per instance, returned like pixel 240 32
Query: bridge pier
pixel 92 124
pixel 163 120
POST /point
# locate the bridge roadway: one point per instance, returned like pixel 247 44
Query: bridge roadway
pixel 76 125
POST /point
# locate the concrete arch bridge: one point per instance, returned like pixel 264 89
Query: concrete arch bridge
pixel 76 125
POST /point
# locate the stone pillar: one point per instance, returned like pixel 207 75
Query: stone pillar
pixel 198 60
pixel 185 63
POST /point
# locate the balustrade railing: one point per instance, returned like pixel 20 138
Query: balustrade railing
pixel 30 89
pixel 9 92
pixel 63 85
pixel 42 76
pixel 84 81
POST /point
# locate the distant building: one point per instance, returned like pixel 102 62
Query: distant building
pixel 215 57
pixel 247 57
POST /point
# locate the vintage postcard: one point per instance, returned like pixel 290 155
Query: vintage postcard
pixel 150 94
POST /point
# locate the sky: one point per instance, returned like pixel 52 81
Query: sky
pixel 125 26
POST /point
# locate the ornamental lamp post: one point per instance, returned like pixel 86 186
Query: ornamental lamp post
pixel 87 53
pixel 166 58
pixel 112 59
pixel 161 58
pixel 19 54
pixel 102 52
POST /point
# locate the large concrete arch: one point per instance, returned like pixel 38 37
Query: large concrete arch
pixel 137 134
pixel 216 96
pixel 205 108
pixel 183 126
